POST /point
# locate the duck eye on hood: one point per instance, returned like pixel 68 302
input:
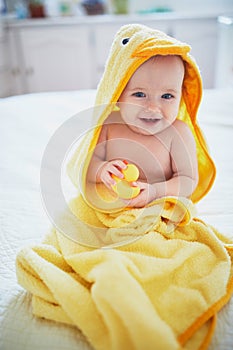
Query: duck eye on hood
pixel 125 41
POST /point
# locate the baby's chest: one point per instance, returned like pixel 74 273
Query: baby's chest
pixel 151 156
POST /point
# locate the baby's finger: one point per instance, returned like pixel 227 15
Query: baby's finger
pixel 120 164
pixel 108 180
pixel 115 171
pixel 131 203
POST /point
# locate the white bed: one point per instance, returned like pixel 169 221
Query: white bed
pixel 27 123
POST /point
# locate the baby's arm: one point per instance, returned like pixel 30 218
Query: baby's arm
pixel 184 163
pixel 101 170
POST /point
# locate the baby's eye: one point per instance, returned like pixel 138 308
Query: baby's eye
pixel 167 96
pixel 139 94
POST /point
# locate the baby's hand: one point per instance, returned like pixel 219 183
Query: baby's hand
pixel 146 195
pixel 113 167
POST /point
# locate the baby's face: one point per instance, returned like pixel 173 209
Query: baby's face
pixel 153 95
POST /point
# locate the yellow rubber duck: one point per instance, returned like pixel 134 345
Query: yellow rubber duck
pixel 123 187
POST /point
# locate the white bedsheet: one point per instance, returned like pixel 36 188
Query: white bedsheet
pixel 26 124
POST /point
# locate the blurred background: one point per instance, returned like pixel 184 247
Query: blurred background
pixel 62 45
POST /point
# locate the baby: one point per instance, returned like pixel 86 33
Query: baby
pixel 146 132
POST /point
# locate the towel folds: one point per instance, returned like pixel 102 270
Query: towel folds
pixel 161 291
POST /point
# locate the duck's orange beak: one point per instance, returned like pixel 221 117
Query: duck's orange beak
pixel 151 47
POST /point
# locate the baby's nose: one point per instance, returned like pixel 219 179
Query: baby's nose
pixel 153 106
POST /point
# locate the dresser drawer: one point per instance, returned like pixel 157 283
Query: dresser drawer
pixel 5 83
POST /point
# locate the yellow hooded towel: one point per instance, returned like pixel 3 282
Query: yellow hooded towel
pixel 162 291
pixel 133 45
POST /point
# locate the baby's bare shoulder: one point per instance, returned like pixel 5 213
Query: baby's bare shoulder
pixel 180 125
pixel 181 128
pixel 178 130
pixel 182 135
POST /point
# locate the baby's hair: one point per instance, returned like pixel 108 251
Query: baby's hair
pixel 155 57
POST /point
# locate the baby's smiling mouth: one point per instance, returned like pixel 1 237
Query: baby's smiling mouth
pixel 149 120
